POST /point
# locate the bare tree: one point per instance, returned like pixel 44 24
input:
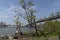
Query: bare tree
pixel 18 24
pixel 28 12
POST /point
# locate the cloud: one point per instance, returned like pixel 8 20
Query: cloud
pixel 56 4
pixel 11 7
pixel 33 7
pixel 4 16
pixel 6 13
pixel 8 10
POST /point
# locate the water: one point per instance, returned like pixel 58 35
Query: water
pixel 8 30
pixel 12 30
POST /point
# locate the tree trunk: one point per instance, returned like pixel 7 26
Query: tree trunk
pixel 35 25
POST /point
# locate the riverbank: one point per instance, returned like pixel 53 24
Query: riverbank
pixel 11 37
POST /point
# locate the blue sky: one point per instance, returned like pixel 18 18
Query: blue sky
pixel 43 7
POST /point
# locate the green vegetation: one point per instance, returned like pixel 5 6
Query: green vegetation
pixel 50 27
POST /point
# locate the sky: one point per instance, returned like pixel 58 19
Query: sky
pixel 43 8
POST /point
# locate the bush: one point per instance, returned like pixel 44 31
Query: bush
pixel 38 33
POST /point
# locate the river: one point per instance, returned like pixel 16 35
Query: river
pixel 12 30
pixel 8 30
